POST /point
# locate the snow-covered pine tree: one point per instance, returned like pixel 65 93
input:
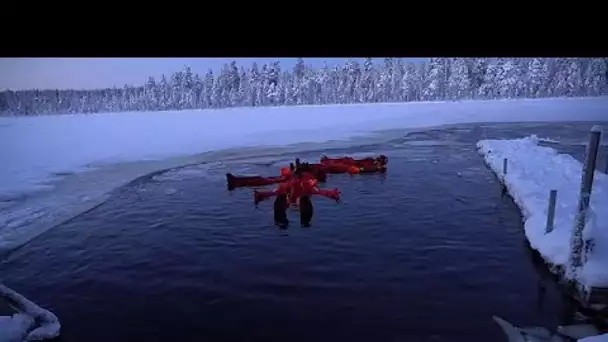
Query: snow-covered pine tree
pixel 488 90
pixel 4 107
pixel 506 81
pixel 235 85
pixel 274 87
pixel 177 95
pixel 254 80
pixel 341 77
pixel 397 77
pixel 263 86
pixel 574 78
pixel 478 68
pixel 209 87
pixel 188 97
pixel 352 79
pixel 535 78
pixel 435 81
pixel 288 96
pixel 221 94
pixel 408 90
pixel 150 91
pixel 284 87
pixel 521 78
pixel 385 91
pixel 321 94
pixel 163 94
pixel 198 90
pixel 294 92
pixel 244 88
pixel 559 83
pixel 595 77
pixel 458 83
pixel 366 88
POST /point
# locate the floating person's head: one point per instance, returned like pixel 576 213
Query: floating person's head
pixel 285 171
pixel 382 160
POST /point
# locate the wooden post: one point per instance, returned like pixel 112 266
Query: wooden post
pixel 576 242
pixel 504 177
pixel 551 211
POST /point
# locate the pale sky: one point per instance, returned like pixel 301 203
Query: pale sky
pixel 94 73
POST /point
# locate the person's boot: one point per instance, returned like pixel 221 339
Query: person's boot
pixel 306 211
pixel 280 211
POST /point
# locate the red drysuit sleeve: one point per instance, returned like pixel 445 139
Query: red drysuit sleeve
pixel 333 194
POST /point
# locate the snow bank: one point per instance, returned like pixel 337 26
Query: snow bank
pixel 14 328
pixel 598 338
pixel 31 323
pixel 532 172
pixel 50 168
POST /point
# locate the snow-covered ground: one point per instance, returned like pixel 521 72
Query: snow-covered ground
pixel 30 323
pixel 532 172
pixel 598 338
pixel 563 333
pixel 54 167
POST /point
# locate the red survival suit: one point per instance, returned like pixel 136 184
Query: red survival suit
pixel 296 192
pixel 294 188
pixel 381 160
pixel 240 181
pixel 355 166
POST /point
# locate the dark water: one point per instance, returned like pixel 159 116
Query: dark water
pixel 428 252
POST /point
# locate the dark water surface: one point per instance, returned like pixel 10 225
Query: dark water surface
pixel 428 252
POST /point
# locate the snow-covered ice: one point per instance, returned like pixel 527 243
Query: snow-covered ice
pixel 55 167
pixel 532 172
pixel 598 338
pixel 563 333
pixel 14 328
pixel 548 140
pixel 30 323
pixel 35 148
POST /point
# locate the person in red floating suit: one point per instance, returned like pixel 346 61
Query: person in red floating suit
pixel 381 160
pixel 296 193
pixel 286 173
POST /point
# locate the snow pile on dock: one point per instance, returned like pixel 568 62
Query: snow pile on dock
pixel 30 323
pixel 532 172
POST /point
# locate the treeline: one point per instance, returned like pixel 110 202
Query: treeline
pixel 390 80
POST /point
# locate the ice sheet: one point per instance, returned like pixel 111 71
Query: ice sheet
pixel 34 148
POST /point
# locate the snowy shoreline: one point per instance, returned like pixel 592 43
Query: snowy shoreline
pixel 30 323
pixel 532 172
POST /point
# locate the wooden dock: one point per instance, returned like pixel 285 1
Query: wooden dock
pixel 594 299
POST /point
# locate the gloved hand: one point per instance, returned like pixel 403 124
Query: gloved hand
pixel 257 197
pixel 353 170
pixel 335 194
